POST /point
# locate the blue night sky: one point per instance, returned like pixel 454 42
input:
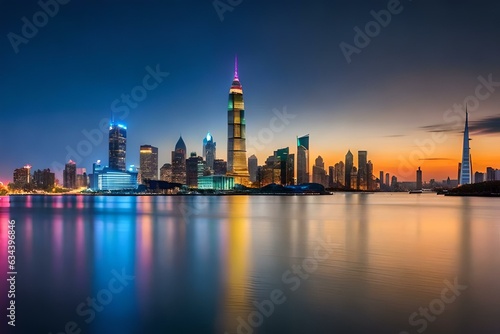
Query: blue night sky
pixel 394 92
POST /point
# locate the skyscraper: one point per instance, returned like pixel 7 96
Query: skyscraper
pixel 179 162
pixel 22 176
pixel 362 170
pixel 117 146
pixel 194 169
pixel 44 179
pixel 286 165
pixel 252 167
pixel 166 173
pixel 349 163
pixel 208 152
pixel 148 158
pixel 319 173
pixel 419 179
pixel 303 159
pixel 69 175
pixel 236 132
pixel 381 179
pixel 465 169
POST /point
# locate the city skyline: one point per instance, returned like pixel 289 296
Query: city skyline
pixel 395 99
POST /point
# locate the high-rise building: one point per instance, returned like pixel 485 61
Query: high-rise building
pixel 465 168
pixel 381 178
pixel 303 159
pixel 236 136
pixel 22 176
pixel 179 162
pixel 148 157
pixel 319 173
pixel 394 181
pixel 209 150
pixel 478 177
pixel 349 163
pixel 252 167
pixel 362 170
pixel 194 169
pixel 370 182
pixel 117 146
pixel 69 175
pixel 81 178
pixel 387 179
pixel 166 173
pixel 419 179
pixel 286 165
pixel 107 179
pixel 490 174
pixel 44 179
pixel 339 178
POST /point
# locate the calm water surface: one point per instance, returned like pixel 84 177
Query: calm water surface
pixel 347 263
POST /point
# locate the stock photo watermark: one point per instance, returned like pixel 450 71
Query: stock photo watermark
pixel 40 19
pixel 120 108
pixel 436 307
pixel 363 37
pixel 93 305
pixel 453 117
pixel 222 6
pixel 265 136
pixel 292 279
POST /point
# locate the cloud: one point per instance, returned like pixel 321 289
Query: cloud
pixel 488 125
pixel 394 136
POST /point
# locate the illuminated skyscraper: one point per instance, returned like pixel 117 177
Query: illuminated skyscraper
pixel 465 168
pixel 236 136
pixel 349 163
pixel 179 162
pixel 117 146
pixel 22 176
pixel 148 156
pixel 303 159
pixel 209 150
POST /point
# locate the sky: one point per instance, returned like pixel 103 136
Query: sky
pixel 389 77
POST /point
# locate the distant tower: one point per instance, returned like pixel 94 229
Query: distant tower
pixel 179 162
pixel 117 146
pixel 303 159
pixel 252 167
pixel 236 137
pixel 419 179
pixel 387 179
pixel 349 163
pixel 465 169
pixel 209 150
pixel 148 157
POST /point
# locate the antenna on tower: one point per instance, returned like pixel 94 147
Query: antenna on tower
pixel 236 66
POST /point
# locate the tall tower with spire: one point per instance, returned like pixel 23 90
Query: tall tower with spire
pixel 236 136
pixel 466 168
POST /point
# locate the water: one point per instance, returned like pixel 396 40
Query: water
pixel 364 263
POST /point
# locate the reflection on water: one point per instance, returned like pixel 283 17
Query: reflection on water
pixel 201 264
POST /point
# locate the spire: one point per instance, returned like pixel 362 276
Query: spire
pixel 236 66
